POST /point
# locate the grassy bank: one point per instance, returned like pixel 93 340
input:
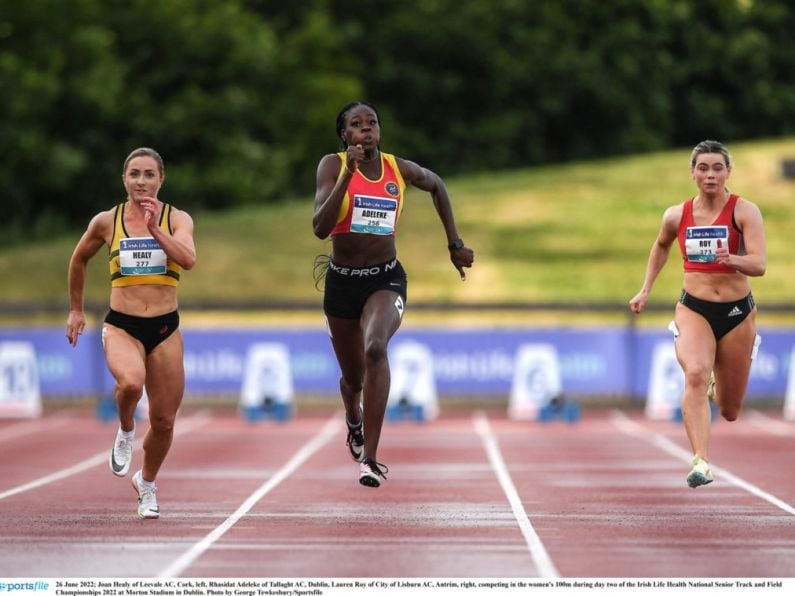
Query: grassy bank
pixel 570 233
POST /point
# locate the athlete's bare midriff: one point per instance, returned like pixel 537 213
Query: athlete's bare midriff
pixel 357 250
pixel 144 300
pixel 717 287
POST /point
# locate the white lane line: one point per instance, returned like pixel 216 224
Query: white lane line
pixel 542 560
pixel 771 425
pixel 634 429
pixel 189 424
pixel 25 428
pixel 330 429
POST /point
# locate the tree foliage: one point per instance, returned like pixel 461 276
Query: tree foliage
pixel 240 96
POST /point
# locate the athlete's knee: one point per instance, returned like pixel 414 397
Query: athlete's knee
pixel 730 412
pixel 130 386
pixel 350 386
pixel 375 350
pixel 697 377
pixel 730 415
pixel 162 423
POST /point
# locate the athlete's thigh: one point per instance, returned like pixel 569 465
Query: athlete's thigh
pixel 382 315
pixel 695 346
pixel 124 355
pixel 348 344
pixel 733 360
pixel 165 375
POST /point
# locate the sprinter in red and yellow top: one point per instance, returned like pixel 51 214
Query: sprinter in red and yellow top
pixel 358 203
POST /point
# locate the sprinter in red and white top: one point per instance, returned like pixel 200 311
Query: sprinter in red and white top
pixel 722 240
pixel 358 202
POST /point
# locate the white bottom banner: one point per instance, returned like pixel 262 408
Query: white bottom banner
pixel 412 586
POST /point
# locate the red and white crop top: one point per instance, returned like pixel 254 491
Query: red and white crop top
pixel 699 243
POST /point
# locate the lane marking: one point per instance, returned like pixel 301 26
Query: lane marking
pixel 28 427
pixel 188 425
pixel 771 425
pixel 542 560
pixel 330 429
pixel 629 427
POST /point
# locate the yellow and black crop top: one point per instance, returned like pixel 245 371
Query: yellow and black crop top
pixel 140 260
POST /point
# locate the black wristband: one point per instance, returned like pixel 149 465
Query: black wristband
pixel 457 243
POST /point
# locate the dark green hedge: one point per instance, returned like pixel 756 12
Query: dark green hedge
pixel 240 97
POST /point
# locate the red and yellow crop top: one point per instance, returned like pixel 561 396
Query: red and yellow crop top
pixel 699 243
pixel 140 261
pixel 371 206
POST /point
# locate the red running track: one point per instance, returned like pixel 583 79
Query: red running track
pixel 468 496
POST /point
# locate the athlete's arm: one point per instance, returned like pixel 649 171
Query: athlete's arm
pixel 178 245
pixel 329 193
pixel 754 261
pixel 658 256
pixel 98 233
pixel 429 181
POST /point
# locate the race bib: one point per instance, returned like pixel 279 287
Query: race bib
pixel 373 215
pixel 701 242
pixel 141 256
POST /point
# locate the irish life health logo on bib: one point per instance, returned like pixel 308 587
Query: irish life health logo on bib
pixel 141 256
pixel 701 242
pixel 373 215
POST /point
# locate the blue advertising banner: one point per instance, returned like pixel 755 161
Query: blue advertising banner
pixel 467 363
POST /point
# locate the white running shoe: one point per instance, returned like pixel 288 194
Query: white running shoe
pixel 371 473
pixel 355 439
pixel 147 502
pixel 121 455
pixel 700 474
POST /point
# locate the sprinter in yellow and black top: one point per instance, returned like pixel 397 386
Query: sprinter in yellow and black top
pixel 141 261
pixel 150 243
pixel 358 202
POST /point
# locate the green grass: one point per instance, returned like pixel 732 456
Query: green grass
pixel 571 233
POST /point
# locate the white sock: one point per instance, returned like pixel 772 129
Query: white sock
pixel 146 483
pixel 123 434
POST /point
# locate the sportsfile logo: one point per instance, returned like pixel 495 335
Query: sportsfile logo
pixel 24 586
